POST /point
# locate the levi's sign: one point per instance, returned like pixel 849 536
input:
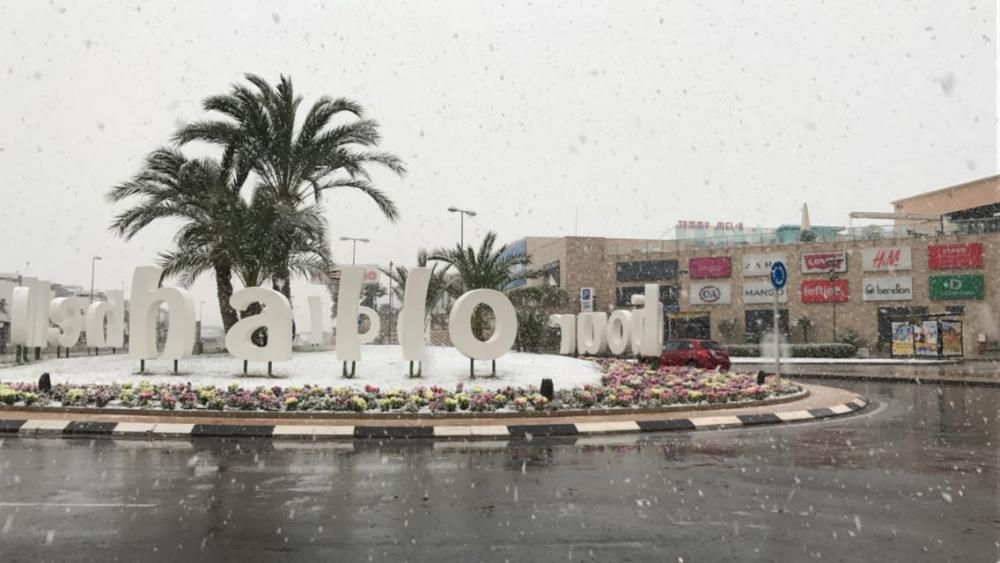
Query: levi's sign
pixel 889 288
pixel 709 293
pixel 823 262
pixel 968 286
pixel 823 291
pixel 886 259
pixel 760 264
pixel 762 292
pixel 955 256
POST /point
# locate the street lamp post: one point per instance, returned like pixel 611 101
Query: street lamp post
pixel 462 213
pixel 354 251
pixel 833 277
pixel 93 262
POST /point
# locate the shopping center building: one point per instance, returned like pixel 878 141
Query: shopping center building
pixel 938 260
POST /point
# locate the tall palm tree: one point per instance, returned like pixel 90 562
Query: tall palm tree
pixel 197 192
pixel 487 268
pixel 294 160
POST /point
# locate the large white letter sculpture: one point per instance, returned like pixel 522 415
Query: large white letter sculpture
pixel 504 329
pixel 410 325
pixel 348 343
pixel 67 314
pixel 146 299
pixel 647 323
pixel 276 317
pixel 591 330
pixel 30 313
pixel 315 320
pixel 111 312
pixel 619 325
pixel 567 332
pixel 374 325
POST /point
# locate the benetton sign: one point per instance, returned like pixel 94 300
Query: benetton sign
pixel 823 262
pixel 889 288
pixel 707 267
pixel 967 286
pixel 955 256
pixel 823 291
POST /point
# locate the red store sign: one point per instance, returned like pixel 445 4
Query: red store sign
pixel 823 291
pixel 709 267
pixel 955 256
pixel 823 262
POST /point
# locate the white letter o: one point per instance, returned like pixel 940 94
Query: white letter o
pixel 504 330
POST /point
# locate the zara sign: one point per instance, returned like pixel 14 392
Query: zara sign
pixel 33 310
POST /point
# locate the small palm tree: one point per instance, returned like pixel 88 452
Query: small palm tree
pixel 805 325
pixel 486 268
pixel 440 283
pixel 371 292
pixel 197 192
pixel 294 158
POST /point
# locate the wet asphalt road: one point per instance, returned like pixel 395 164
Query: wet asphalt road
pixel 915 478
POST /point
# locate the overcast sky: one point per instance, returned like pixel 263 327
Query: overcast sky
pixel 638 114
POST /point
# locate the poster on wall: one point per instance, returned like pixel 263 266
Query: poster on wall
pixel 925 339
pixel 951 338
pixel 886 259
pixel 955 256
pixel 707 267
pixel 902 340
pixel 586 300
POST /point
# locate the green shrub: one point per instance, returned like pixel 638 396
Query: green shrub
pixel 820 350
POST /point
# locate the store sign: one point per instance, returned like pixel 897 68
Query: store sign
pixel 707 267
pixel 823 262
pixel 886 259
pixel 646 270
pixel 966 286
pixel 823 291
pixel 755 265
pixel 889 288
pixel 719 293
pixel 762 292
pixel 955 256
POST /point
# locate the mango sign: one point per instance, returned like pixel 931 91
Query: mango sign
pixel 34 311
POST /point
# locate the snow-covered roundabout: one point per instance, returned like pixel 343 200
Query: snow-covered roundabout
pixel 313 382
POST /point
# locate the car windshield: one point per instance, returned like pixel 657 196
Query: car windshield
pixel 709 344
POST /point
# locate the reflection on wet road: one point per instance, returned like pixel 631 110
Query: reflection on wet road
pixel 914 478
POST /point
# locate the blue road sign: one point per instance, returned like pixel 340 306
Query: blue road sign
pixel 779 275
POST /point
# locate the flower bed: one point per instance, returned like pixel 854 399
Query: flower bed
pixel 623 385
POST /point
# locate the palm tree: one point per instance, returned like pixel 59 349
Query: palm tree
pixel 487 268
pixel 440 283
pixel 170 186
pixel 370 293
pixel 293 163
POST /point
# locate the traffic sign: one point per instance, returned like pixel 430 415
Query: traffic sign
pixel 779 275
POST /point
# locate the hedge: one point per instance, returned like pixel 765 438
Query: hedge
pixel 819 350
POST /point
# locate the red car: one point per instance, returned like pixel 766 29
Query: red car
pixel 704 354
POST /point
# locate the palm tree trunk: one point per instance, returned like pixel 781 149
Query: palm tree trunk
pixel 224 290
pixel 282 283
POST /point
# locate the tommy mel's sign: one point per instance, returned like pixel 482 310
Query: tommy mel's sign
pixel 823 291
pixel 824 262
pixel 33 310
pixel 886 259
pixel 758 265
pixel 888 288
pixel 762 292
pixel 710 293
pixel 968 286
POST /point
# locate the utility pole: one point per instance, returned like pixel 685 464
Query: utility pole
pixel 93 262
pixel 354 250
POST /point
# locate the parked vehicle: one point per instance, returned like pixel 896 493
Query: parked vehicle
pixel 704 354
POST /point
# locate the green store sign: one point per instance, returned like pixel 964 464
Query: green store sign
pixel 967 286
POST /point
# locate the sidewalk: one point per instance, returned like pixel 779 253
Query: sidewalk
pixel 969 372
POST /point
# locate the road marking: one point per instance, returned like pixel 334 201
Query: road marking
pixel 76 505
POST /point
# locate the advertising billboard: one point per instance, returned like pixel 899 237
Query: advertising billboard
pixel 823 291
pixel 756 265
pixel 902 340
pixel 888 288
pixel 925 339
pixel 710 293
pixel 955 256
pixel 762 292
pixel 586 299
pixel 886 259
pixel 962 286
pixel 646 270
pixel 823 262
pixel 708 267
pixel 951 338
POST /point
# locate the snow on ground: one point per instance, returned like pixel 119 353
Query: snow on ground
pixel 380 365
